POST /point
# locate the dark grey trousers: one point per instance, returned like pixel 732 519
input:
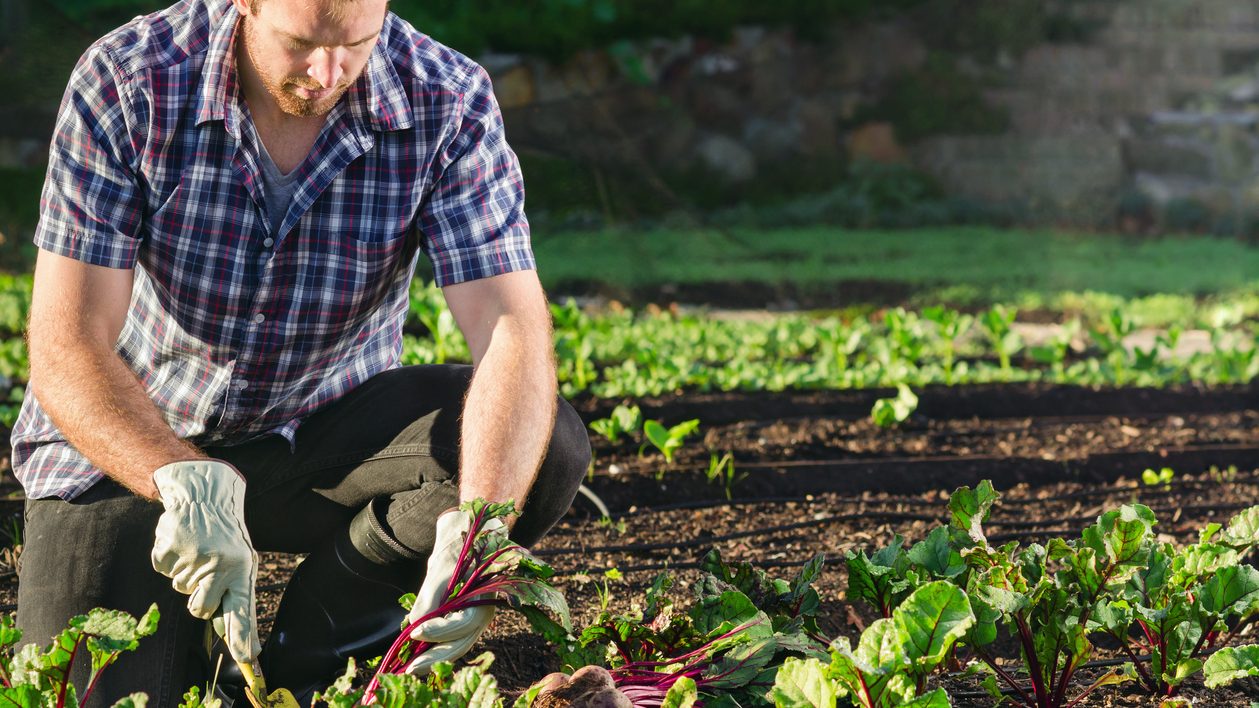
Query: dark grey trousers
pixel 395 437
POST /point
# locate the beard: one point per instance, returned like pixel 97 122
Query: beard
pixel 283 89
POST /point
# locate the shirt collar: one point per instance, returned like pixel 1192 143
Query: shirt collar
pixel 378 97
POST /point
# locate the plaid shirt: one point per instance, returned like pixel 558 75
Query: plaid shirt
pixel 237 330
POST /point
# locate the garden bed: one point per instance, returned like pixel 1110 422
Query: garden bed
pixel 822 477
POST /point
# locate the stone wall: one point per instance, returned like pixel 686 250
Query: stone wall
pixel 1160 106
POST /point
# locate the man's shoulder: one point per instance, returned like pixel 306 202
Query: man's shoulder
pixel 425 63
pixel 162 39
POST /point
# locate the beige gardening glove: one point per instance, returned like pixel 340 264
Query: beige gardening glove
pixel 454 634
pixel 202 545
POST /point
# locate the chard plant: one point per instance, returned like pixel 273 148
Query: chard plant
pixel 1179 603
pixel 891 662
pixel 491 570
pixel 35 676
pixel 624 420
pixel 890 412
pixel 998 324
pixel 724 649
pixel 1045 598
pixel 667 440
pixel 951 326
pixel 1054 352
pixel 470 686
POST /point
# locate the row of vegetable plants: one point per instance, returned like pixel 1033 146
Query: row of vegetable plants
pixel 618 352
pixel 746 638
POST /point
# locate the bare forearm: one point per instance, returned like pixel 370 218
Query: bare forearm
pixel 508 415
pixel 100 406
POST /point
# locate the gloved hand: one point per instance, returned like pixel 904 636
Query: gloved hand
pixel 202 545
pixel 455 633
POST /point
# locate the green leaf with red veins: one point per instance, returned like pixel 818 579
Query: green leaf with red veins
pixel 25 695
pixel 718 610
pixel 930 620
pixel 1121 534
pixel 970 509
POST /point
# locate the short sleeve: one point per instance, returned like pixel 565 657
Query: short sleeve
pixel 473 223
pixel 91 208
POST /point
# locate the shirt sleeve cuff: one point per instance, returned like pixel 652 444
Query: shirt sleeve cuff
pixel 510 254
pixel 109 250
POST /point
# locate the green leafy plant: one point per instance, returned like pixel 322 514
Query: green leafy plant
pixel 891 662
pixel 883 578
pixel 890 412
pixel 624 420
pixel 472 686
pixel 667 440
pixel 1164 476
pixel 951 326
pixel 1180 601
pixel 998 324
pixel 726 646
pixel 32 676
pixel 1231 663
pixel 721 471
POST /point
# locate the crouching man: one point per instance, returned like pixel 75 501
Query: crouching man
pixel 237 194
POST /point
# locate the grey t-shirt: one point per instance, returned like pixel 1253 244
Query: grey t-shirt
pixel 277 188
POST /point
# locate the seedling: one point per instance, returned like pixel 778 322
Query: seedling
pixel 618 526
pixel 721 471
pixel 624 420
pixel 951 325
pixel 667 440
pixel 602 589
pixel 1150 478
pixel 998 323
pixel 890 412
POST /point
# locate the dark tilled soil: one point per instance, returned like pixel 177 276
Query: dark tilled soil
pixel 821 478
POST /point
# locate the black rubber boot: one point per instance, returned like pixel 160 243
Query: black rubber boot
pixel 341 602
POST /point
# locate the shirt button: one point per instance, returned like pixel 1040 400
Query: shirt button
pixel 268 242
pixel 259 318
pixel 241 384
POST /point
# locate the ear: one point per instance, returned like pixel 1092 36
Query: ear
pixel 243 6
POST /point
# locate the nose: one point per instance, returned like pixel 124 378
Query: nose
pixel 325 67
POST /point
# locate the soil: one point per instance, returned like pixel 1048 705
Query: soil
pixel 821 478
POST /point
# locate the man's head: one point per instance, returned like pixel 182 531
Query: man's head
pixel 307 53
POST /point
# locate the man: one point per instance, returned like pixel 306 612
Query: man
pixel 236 195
